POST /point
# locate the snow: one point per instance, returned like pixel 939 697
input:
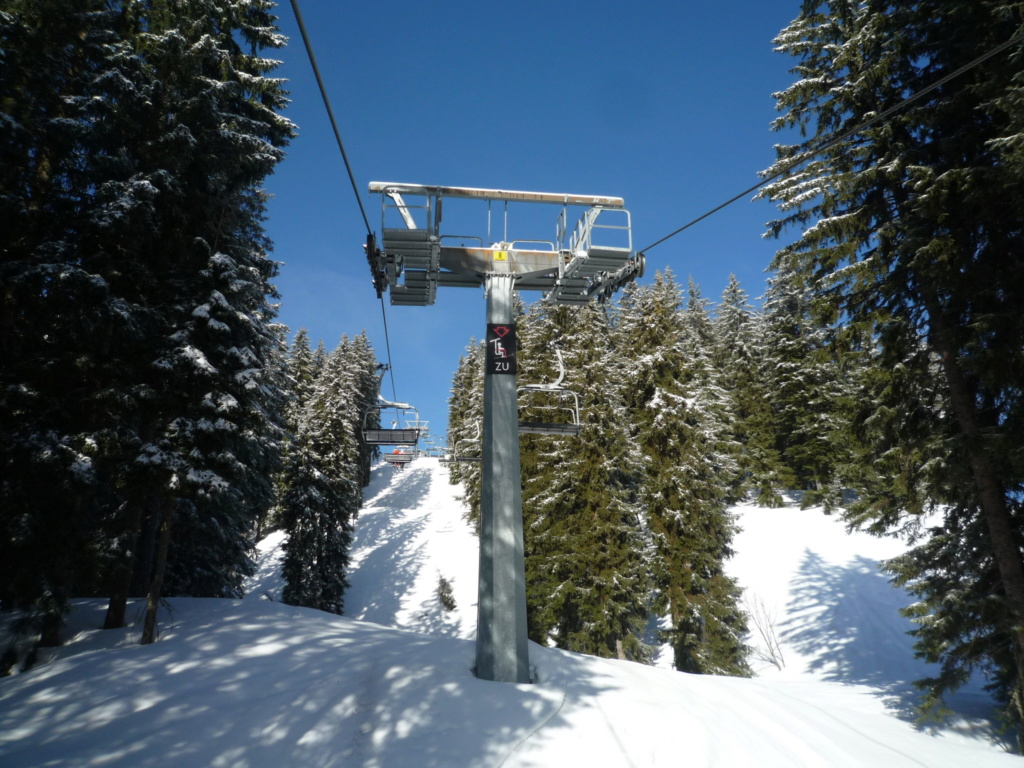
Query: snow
pixel 197 358
pixel 258 684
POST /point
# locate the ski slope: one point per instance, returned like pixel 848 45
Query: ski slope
pixel 258 684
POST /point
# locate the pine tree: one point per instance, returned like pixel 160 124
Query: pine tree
pixel 362 364
pixel 689 474
pixel 740 349
pixel 711 400
pixel 142 349
pixel 219 136
pixel 801 376
pixel 71 320
pixel 589 587
pixel 915 242
pixel 465 423
pixel 318 537
pixel 299 376
pixel 302 374
pixel 322 481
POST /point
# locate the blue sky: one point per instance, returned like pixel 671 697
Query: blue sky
pixel 666 105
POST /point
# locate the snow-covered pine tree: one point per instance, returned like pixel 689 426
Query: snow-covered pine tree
pixel 911 233
pixel 804 389
pixel 209 136
pixel 72 322
pixel 589 586
pixel 689 475
pixel 322 482
pixel 299 380
pixel 732 326
pixel 302 378
pixel 739 348
pixel 707 385
pixel 231 432
pixel 362 366
pixel 316 550
pixel 319 358
pixel 465 422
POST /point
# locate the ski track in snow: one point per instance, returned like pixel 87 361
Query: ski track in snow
pixel 410 531
pixel 259 684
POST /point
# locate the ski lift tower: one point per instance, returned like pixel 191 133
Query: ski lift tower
pixel 414 258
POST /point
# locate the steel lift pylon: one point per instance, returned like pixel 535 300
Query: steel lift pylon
pixel 412 260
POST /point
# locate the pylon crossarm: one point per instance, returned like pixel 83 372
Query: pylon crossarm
pixel 382 404
pixel 415 257
pixel 506 195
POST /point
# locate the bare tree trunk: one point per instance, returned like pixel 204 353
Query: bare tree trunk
pixel 153 600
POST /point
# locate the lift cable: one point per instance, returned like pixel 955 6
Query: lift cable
pixel 330 112
pixel 804 156
pixel 387 347
pixel 348 167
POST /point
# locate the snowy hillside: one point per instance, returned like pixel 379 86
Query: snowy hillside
pixel 258 684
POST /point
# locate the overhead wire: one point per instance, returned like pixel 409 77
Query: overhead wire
pixel 825 146
pixel 785 168
pixel 348 167
pixel 330 112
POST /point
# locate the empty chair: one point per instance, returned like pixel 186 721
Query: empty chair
pixel 549 409
pixel 468 449
pixel 404 420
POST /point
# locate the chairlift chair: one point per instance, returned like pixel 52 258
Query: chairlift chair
pixel 540 400
pixel 399 457
pixel 395 435
pixel 403 413
pixel 462 453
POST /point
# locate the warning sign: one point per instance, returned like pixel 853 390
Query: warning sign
pixel 501 348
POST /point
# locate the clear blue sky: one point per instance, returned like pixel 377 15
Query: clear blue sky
pixel 666 104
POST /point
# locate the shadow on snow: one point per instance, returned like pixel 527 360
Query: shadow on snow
pixel 842 617
pixel 261 683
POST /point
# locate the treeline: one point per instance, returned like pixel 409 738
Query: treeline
pixel 892 354
pixel 151 418
pixel 683 413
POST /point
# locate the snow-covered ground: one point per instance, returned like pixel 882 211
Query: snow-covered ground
pixel 258 684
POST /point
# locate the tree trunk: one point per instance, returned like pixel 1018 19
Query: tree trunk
pixel 153 600
pixel 149 534
pixel 991 495
pixel 118 605
pixel 121 582
pixel 49 633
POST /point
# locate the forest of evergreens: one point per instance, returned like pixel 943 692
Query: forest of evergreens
pixel 154 421
pixel 684 411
